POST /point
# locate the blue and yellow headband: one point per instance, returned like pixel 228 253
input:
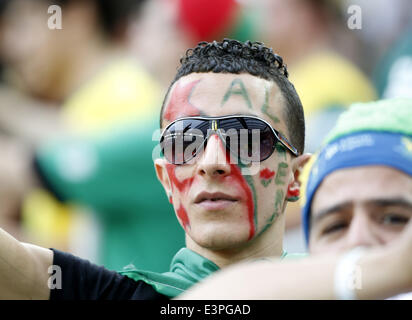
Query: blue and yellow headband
pixel 376 133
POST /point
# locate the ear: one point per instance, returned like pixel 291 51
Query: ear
pixel 162 175
pixel 298 163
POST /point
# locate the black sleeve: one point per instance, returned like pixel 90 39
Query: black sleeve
pixel 82 280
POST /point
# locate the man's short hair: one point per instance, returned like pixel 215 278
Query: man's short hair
pixel 232 56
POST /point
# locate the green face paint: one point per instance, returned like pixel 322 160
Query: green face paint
pixel 249 181
pixel 278 208
pixel 269 223
pixel 280 194
pixel 281 173
pixel 265 107
pixel 237 88
pixel 265 183
pixel 266 176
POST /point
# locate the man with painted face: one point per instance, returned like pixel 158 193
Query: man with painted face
pixel 358 195
pixel 230 211
pixel 221 90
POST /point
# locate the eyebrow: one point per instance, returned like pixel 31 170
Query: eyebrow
pixel 391 202
pixel 328 211
pixel 373 202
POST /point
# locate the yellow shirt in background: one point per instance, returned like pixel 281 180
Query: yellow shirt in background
pixel 326 78
pixel 323 80
pixel 119 93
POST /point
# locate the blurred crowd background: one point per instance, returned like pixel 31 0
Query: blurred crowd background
pixel 79 105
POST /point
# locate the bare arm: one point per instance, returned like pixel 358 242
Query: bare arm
pixel 385 272
pixel 23 269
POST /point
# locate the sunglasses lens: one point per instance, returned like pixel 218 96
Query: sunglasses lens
pixel 183 139
pixel 249 139
pixel 267 143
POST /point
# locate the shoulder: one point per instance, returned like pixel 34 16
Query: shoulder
pixel 79 279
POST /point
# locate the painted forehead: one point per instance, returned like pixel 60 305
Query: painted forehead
pixel 212 94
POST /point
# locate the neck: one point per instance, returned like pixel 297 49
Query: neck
pixel 269 244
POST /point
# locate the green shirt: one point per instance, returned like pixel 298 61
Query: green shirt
pixel 187 268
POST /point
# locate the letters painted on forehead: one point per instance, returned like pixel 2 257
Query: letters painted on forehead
pixel 179 104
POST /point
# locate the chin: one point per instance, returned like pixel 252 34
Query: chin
pixel 219 237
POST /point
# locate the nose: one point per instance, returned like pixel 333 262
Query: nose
pixel 361 231
pixel 213 162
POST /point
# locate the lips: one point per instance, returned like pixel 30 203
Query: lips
pixel 216 196
pixel 215 201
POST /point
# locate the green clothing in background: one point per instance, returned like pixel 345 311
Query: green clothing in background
pixel 393 74
pixel 113 174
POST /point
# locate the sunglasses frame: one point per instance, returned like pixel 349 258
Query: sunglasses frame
pixel 214 128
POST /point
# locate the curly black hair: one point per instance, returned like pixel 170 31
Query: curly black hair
pixel 252 57
pixel 232 56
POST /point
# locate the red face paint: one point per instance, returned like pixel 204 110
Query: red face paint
pixel 266 174
pixel 293 193
pixel 182 186
pixel 238 178
pixel 235 171
pixel 182 214
pixel 179 104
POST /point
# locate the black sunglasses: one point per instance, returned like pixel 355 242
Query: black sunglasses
pixel 248 138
